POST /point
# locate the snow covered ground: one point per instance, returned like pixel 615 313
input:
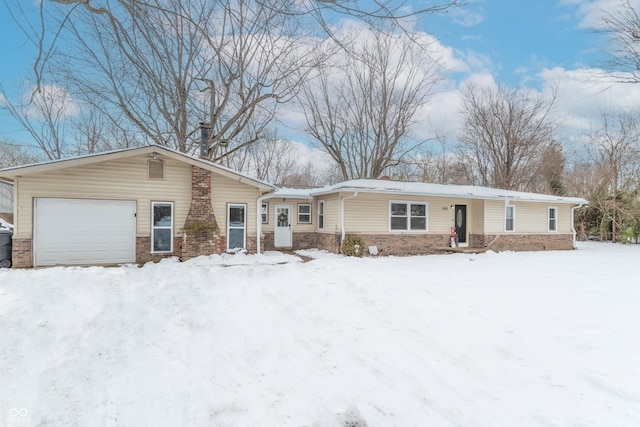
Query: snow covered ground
pixel 499 339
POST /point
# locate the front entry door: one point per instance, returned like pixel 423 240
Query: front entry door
pixel 461 223
pixel 282 233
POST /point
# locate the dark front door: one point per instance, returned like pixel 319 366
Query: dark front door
pixel 461 223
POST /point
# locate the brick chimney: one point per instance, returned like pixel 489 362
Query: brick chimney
pixel 201 234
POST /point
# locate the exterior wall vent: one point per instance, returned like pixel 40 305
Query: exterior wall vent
pixel 156 169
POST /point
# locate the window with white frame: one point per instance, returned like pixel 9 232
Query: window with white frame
pixel 162 227
pixel 553 219
pixel 510 218
pixel 265 213
pixel 236 226
pixel 304 213
pixel 410 216
pixel 321 214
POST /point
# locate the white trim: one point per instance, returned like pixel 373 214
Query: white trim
pixel 287 231
pixel 321 213
pixel 506 208
pixel 408 217
pixel 555 208
pixel 154 227
pixel 244 224
pixel 266 220
pixel 310 213
pixel 343 232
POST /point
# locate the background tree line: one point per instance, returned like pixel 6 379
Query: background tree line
pixel 120 73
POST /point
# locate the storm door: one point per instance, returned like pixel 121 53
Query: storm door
pixel 282 230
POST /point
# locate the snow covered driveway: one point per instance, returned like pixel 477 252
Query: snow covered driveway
pixel 508 339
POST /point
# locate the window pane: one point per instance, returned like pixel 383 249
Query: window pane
pixel 398 209
pixel 161 215
pixel 304 209
pixel 418 210
pixel 398 223
pixel 552 214
pixel 236 238
pixel 510 224
pixel 236 216
pixel 321 221
pixel 265 213
pixel 418 223
pixel 162 240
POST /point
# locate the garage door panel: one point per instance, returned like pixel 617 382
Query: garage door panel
pixel 78 231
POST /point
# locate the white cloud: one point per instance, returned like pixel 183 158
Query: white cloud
pixel 50 100
pixel 590 12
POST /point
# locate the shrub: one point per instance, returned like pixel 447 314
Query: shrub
pixel 352 246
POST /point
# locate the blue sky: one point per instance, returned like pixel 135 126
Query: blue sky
pixel 511 42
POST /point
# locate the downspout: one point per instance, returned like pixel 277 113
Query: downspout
pixel 573 225
pixel 259 220
pixel 342 214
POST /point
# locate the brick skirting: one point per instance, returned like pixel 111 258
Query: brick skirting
pixel 21 253
pixel 405 244
pixel 522 242
pixel 306 240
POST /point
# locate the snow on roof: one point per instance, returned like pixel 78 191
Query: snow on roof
pixel 291 193
pixel 440 190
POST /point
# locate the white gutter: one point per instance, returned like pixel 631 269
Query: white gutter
pixel 259 220
pixel 573 225
pixel 342 214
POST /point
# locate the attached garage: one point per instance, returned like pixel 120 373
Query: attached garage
pixel 83 232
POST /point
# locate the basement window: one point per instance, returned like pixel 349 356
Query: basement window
pixel 156 169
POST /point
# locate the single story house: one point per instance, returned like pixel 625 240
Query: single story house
pixel 143 204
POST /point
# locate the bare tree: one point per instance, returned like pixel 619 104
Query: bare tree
pixel 12 154
pixel 622 26
pixel 360 108
pixel 164 67
pixel 615 151
pixel 504 134
pixel 46 115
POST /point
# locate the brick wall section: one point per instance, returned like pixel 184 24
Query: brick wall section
pixel 200 242
pixel 143 250
pixel 328 242
pixel 21 255
pixel 523 242
pixel 306 240
pixel 405 244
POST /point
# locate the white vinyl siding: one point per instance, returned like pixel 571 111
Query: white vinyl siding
pixel 124 179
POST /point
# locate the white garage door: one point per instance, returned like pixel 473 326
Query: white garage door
pixel 76 231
